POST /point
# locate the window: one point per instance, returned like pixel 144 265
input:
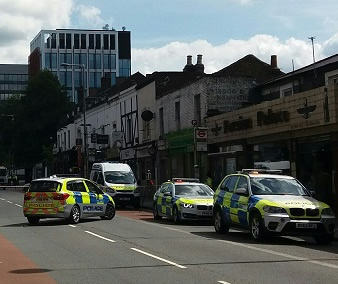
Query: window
pixel 92 187
pixel 105 42
pixel 197 109
pixel 62 41
pixel 223 186
pixel 53 40
pixel 129 130
pixel 76 186
pixel 65 58
pixel 113 78
pixel 109 61
pixel 112 42
pixel 98 41
pixel 178 115
pixel 68 41
pixel 164 188
pixel 242 183
pixel 68 139
pixel 231 184
pixel 124 67
pixel 91 41
pixel 98 61
pixel 161 121
pixel 92 61
pixel 83 41
pixel 146 130
pixel 76 41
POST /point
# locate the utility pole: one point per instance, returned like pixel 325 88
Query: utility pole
pixel 313 56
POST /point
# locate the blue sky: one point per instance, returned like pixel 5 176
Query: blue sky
pixel 164 32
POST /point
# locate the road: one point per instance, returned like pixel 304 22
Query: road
pixel 133 248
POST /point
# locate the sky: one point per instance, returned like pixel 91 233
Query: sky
pixel 163 33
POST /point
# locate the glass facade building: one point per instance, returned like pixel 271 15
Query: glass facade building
pixel 13 80
pixel 103 53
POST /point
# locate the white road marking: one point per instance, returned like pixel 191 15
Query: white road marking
pixel 223 282
pixel 281 254
pixel 73 226
pixel 18 205
pixel 10 202
pixel 159 258
pixel 2 199
pixel 103 238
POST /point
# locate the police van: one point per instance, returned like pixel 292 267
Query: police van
pixel 118 180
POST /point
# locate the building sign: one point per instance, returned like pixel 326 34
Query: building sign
pixel 241 124
pixel 272 117
pixel 127 154
pixel 102 139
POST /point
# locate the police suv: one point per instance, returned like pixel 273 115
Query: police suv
pixel 268 203
pixel 69 198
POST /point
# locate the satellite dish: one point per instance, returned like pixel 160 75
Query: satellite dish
pixel 147 115
pixel 123 28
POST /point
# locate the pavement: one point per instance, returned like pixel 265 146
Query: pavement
pixel 147 203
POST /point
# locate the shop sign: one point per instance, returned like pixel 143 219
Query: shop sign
pixel 127 154
pixel 102 139
pixel 241 124
pixel 272 117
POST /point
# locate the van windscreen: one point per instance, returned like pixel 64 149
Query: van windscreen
pixel 119 177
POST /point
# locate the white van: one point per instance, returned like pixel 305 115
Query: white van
pixel 119 182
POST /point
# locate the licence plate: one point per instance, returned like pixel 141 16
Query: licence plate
pixel 306 226
pixel 207 213
pixel 124 198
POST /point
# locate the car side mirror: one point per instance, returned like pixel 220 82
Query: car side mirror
pixel 241 191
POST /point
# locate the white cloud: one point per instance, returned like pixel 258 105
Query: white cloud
pixel 172 57
pixel 90 17
pixel 21 20
pixel 244 2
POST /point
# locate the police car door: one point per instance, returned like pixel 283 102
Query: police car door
pixel 239 202
pixel 161 200
pixel 80 194
pixel 229 199
pixel 97 204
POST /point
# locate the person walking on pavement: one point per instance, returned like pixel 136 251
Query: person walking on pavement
pixel 208 181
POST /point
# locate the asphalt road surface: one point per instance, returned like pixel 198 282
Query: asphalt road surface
pixel 133 248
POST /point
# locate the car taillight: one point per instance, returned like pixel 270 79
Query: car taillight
pixel 27 197
pixel 61 196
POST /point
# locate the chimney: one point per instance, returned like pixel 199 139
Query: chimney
pixel 189 66
pixel 199 67
pixel 274 61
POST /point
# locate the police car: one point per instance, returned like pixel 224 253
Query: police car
pixel 183 199
pixel 69 198
pixel 267 203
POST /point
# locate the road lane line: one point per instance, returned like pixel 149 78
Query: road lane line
pixel 73 226
pixel 2 199
pixel 10 202
pixel 158 258
pixel 281 254
pixel 223 282
pixel 18 205
pixel 103 238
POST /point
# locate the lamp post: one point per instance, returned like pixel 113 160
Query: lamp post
pixel 85 151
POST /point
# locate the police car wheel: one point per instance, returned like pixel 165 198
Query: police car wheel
pixel 33 220
pixel 110 212
pixel 323 239
pixel 74 216
pixel 219 225
pixel 176 215
pixel 257 230
pixel 155 213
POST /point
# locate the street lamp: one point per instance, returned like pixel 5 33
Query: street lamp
pixel 85 151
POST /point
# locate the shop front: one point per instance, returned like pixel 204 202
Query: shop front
pixel 296 134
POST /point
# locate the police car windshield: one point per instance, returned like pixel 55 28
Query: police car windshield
pixel 193 190
pixel 276 186
pixel 119 177
pixel 44 186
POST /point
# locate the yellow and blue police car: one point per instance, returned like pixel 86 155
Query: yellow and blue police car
pixel 268 203
pixel 69 198
pixel 183 199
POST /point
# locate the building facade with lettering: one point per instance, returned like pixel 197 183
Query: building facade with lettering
pixel 293 127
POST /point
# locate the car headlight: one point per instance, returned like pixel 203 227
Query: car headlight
pixel 187 205
pixel 327 211
pixel 274 209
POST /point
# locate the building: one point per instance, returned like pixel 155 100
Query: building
pixel 293 127
pixel 81 57
pixel 13 80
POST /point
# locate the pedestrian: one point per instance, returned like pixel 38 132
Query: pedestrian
pixel 208 181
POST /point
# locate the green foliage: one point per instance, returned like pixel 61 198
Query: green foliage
pixel 38 116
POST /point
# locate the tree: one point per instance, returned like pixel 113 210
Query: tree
pixel 38 116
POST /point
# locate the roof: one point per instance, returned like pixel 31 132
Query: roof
pixel 250 66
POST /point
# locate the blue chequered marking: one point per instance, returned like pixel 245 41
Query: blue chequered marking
pixel 226 214
pixel 105 199
pixel 78 197
pixel 92 197
pixel 242 217
pixel 253 201
pixel 234 201
pixel 168 211
pixel 163 200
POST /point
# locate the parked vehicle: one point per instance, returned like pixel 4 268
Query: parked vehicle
pixel 3 177
pixel 118 180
